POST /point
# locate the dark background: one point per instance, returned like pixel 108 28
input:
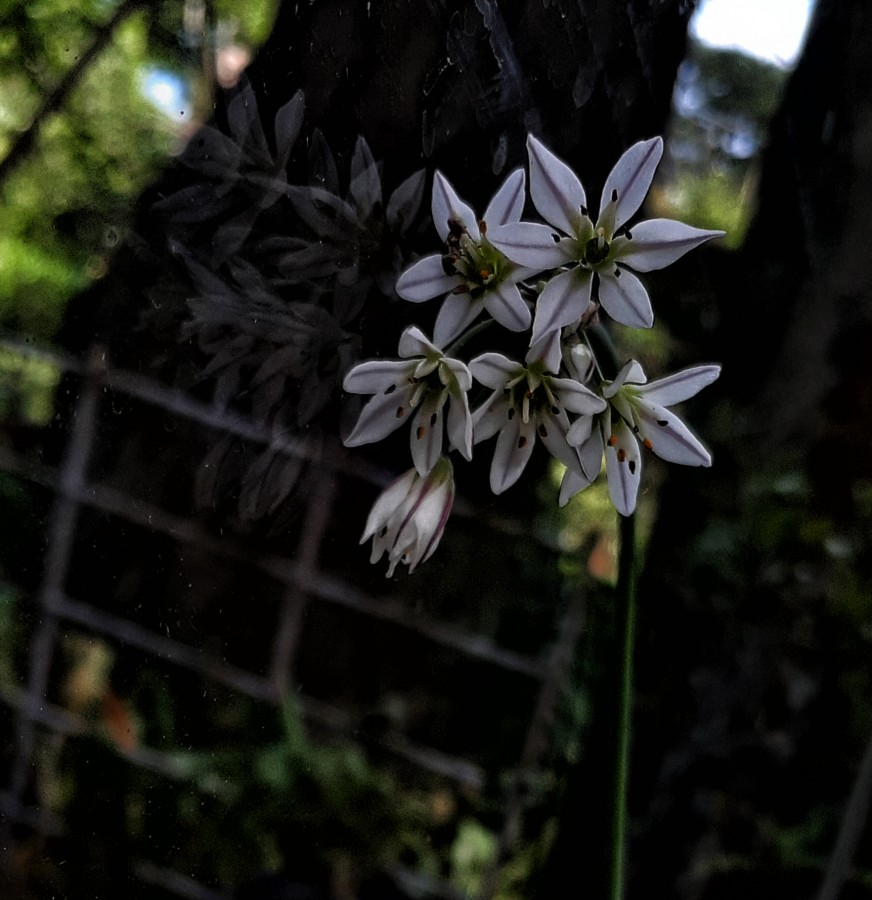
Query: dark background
pixel 206 686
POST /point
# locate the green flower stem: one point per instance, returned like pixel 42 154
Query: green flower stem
pixel 625 622
pixel 468 335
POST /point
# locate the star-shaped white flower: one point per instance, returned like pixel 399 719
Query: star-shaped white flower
pixel 409 516
pixel 607 249
pixel 637 414
pixel 423 380
pixel 472 272
pixel 527 402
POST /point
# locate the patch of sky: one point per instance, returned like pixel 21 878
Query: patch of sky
pixel 167 91
pixel 771 30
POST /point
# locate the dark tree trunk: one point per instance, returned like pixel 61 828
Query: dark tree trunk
pixel 455 86
pixel 741 600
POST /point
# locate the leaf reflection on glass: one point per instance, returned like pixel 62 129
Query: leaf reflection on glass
pixel 279 273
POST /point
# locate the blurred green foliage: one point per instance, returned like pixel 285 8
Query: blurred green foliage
pixel 722 106
pixel 66 206
pixel 27 387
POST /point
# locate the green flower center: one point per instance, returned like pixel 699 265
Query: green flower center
pixel 480 265
pixel 596 250
pixel 530 392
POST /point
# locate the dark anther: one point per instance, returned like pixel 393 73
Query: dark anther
pixel 390 389
pixel 662 422
pixel 594 253
pixel 632 466
pixel 421 432
pixel 482 226
pixel 400 412
pixel 614 196
pixel 433 419
pixel 448 266
pixel 461 289
pixel 543 431
pixel 522 442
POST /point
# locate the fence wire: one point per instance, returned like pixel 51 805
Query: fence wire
pixel 302 582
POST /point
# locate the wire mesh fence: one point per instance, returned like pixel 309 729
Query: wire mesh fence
pixel 272 627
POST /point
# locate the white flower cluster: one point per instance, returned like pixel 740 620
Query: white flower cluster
pixel 558 394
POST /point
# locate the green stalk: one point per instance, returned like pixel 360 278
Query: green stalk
pixel 625 622
pixel 468 335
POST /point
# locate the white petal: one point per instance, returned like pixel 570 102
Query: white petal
pixel 680 386
pixel 532 245
pixel 659 242
pixel 572 483
pixel 546 350
pixel 455 314
pixel 625 299
pixel 493 370
pixel 457 371
pixel 511 454
pixel 668 436
pixel 375 376
pixel 460 425
pixel 426 436
pixel 430 518
pixel 490 417
pixel 381 415
pixel 580 363
pixel 448 206
pixel 515 272
pixel 426 279
pixel 590 453
pixel 413 342
pixel 580 430
pixel 631 178
pixel 585 434
pixel 552 432
pixel 507 306
pixel 563 302
pixel 623 467
pixel 508 202
pixel 387 503
pixel 575 397
pixel 631 373
pixel 554 188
